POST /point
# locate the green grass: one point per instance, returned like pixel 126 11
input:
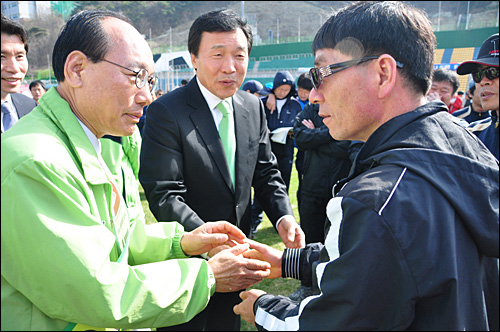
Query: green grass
pixel 266 234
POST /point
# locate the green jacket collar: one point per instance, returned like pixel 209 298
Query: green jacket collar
pixel 59 111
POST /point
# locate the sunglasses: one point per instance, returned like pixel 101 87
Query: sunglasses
pixel 490 72
pixel 317 74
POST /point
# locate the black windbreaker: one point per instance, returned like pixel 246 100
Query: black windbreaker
pixel 413 242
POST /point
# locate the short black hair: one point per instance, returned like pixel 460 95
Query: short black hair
pixel 12 27
pixel 304 82
pixel 83 32
pixel 217 21
pixel 383 27
pixel 38 82
pixel 446 75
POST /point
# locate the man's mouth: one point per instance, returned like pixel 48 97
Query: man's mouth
pixel 11 79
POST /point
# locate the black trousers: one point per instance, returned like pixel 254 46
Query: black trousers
pixel 217 316
pixel 313 217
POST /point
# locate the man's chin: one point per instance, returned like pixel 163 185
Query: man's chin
pixel 10 89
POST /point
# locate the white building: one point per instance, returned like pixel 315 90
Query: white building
pixel 21 10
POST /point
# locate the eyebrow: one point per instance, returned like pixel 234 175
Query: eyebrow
pixel 218 46
pixel 319 59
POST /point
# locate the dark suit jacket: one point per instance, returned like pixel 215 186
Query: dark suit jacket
pixel 23 104
pixel 183 169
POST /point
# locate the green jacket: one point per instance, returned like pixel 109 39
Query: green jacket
pixel 61 260
pixel 121 155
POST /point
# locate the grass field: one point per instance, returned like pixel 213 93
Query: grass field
pixel 266 234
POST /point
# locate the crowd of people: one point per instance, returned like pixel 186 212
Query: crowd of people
pixel 398 199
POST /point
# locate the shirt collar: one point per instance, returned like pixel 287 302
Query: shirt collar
pixel 92 138
pixel 211 99
pixel 9 103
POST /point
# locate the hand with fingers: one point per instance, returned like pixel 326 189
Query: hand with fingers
pixel 234 272
pixel 291 234
pixel 209 236
pixel 245 308
pixel 265 253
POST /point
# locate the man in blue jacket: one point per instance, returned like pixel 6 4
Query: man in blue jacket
pixel 283 117
pixel 402 251
pixel 484 71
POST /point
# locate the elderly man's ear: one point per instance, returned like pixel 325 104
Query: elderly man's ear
pixel 75 64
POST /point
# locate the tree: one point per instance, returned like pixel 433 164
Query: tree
pixel 42 36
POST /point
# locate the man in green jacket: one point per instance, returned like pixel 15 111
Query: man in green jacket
pixel 72 258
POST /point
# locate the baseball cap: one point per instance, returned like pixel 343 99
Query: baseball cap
pixel 488 56
pixel 254 86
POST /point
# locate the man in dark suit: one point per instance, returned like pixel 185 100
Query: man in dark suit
pixel 192 172
pixel 14 67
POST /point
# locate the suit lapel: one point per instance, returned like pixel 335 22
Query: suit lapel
pixel 20 106
pixel 204 124
pixel 241 115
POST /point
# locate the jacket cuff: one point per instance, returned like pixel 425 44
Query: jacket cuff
pixel 176 246
pixel 290 264
pixel 260 300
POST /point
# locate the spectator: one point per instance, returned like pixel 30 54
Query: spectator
pixel 474 111
pixel 184 82
pixel 206 144
pixel 287 109
pixel 37 89
pixel 402 250
pixel 444 85
pixel 484 71
pixel 72 259
pixel 254 87
pixel 468 96
pixel 304 86
pixel 457 102
pixel 159 93
pixel 14 44
pixel 142 121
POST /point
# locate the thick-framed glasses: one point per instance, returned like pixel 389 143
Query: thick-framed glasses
pixel 317 74
pixel 490 72
pixel 141 77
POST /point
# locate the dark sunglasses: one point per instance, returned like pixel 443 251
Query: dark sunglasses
pixel 317 74
pixel 490 72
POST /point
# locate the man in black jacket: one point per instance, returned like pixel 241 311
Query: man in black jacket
pixel 402 251
pixel 326 161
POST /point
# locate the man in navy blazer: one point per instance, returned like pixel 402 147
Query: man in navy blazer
pixel 14 50
pixel 184 171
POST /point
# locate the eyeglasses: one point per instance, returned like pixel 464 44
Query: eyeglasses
pixel 317 74
pixel 141 77
pixel 490 72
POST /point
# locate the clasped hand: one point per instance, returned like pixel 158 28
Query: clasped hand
pixel 261 252
pixel 232 270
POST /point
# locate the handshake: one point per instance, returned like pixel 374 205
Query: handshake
pixel 233 262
